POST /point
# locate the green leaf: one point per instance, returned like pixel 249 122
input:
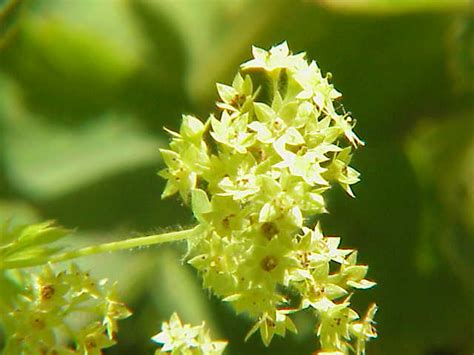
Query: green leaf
pixel 27 242
pixel 45 161
pixel 461 56
pixel 166 47
pixel 442 156
pixel 395 6
pixel 64 72
pixel 43 233
pixel 200 204
pixel 212 39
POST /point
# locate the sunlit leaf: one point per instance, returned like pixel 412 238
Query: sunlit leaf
pixel 45 161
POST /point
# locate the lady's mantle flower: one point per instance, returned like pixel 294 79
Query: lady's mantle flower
pixel 45 310
pixel 256 175
pixel 187 159
pixel 238 97
pixel 177 338
pixel 232 131
pixel 279 57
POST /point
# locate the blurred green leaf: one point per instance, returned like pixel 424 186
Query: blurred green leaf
pixel 63 160
pixel 64 72
pixel 461 54
pixel 26 242
pixel 218 36
pixel 45 161
pixel 108 21
pixel 394 6
pixel 442 155
pixel 165 46
pixel 18 212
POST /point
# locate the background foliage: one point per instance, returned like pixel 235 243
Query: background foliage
pixel 86 87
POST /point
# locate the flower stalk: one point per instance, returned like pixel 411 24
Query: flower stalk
pixel 102 248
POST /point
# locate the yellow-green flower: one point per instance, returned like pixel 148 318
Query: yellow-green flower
pixel 257 176
pixel 177 338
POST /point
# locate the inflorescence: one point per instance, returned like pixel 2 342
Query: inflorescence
pixel 255 176
pixel 45 315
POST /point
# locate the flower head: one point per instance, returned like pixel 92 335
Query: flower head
pixel 44 312
pixel 256 175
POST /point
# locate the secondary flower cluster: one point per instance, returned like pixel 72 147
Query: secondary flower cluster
pixel 255 175
pixel 179 339
pixel 43 321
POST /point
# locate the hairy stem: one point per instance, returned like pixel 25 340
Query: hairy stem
pixel 104 248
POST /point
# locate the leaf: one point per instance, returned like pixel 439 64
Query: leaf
pixel 45 161
pixel 200 204
pixel 64 72
pixel 217 35
pixel 461 57
pixel 109 21
pixel 442 156
pixel 24 243
pixel 165 46
pixel 394 6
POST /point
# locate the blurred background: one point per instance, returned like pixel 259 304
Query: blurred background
pixel 86 87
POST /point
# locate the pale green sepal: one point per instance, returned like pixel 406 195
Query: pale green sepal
pixel 333 291
pixel 226 93
pixel 362 284
pixel 264 112
pixel 200 204
pixel 192 128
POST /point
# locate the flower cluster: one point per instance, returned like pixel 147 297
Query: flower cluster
pixel 255 175
pixel 177 338
pixel 45 318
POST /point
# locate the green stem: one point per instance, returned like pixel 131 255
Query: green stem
pixel 104 248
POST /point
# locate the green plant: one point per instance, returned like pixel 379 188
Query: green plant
pixel 255 178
